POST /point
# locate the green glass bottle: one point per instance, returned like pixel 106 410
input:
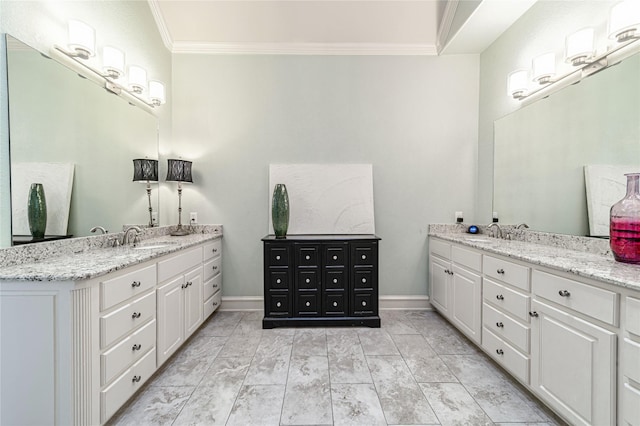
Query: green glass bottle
pixel 280 210
pixel 37 211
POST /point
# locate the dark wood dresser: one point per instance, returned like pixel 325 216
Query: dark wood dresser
pixel 321 280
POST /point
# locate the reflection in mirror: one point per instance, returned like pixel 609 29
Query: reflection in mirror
pixel 542 149
pixel 58 118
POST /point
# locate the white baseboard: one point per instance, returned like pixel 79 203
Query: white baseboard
pixel 256 303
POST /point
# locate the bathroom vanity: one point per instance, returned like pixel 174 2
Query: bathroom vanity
pixel 82 332
pixel 565 323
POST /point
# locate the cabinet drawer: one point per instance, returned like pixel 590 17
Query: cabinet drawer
pixel 127 352
pixel 278 304
pixel 506 355
pixel 364 255
pixel 335 279
pixel 212 249
pixel 212 286
pixel 212 268
pixel 307 279
pixel 630 405
pixel 307 304
pixel 363 279
pixel 335 304
pixel 278 279
pixel 440 248
pixel 509 272
pixel 468 258
pixel 119 289
pixel 506 299
pixel 631 359
pixel 126 385
pixel 335 255
pixel 589 300
pixel 277 255
pixel 506 327
pixel 632 315
pixel 179 263
pixel 211 304
pixel 307 256
pixel 364 304
pixel 120 322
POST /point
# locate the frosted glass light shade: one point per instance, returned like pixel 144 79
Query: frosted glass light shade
pixel 624 21
pixel 544 67
pixel 517 83
pixel 156 93
pixel 579 47
pixel 137 79
pixel 112 61
pixel 82 39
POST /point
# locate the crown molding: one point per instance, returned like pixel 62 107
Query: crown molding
pixel 305 48
pixel 445 25
pixel 161 24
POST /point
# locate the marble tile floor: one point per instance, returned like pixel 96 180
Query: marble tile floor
pixel 415 370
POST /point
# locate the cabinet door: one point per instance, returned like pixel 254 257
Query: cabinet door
pixel 170 318
pixel 440 280
pixel 192 301
pixel 467 303
pixel 573 366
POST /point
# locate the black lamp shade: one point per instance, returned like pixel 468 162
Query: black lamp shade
pixel 145 169
pixel 179 171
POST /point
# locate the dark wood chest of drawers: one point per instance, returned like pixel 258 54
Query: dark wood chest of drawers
pixel 321 280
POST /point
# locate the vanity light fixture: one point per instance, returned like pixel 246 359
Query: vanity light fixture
pixel 624 29
pixel 179 171
pixel 81 47
pixel 145 170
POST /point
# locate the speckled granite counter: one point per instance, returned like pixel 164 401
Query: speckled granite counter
pixel 85 258
pixel 592 262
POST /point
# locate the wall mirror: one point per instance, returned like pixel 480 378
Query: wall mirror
pixel 56 116
pixel 540 151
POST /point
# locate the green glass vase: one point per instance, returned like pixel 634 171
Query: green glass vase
pixel 37 210
pixel 280 210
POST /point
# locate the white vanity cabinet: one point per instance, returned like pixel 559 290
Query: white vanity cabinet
pixel 630 363
pixel 212 276
pixel 180 309
pixel 456 285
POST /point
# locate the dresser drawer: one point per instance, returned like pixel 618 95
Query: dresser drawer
pixel 509 272
pixel 335 255
pixel 631 359
pixel 277 255
pixel 112 398
pixel 124 287
pixel 212 286
pixel 211 304
pixel 469 258
pixel 630 405
pixel 307 256
pixel 278 279
pixel 506 327
pixel 212 249
pixel 278 304
pixel 307 304
pixel 127 318
pixel 179 263
pixel 335 279
pixel 506 355
pixel 127 352
pixel 364 304
pixel 364 254
pixel 308 279
pixel 440 248
pixel 506 299
pixel 335 304
pixel 212 268
pixel 589 300
pixel 632 315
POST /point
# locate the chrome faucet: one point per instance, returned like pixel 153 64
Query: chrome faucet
pixel 98 228
pixel 498 233
pixel 522 225
pixel 125 237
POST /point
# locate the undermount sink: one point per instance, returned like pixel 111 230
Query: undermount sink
pixel 478 239
pixel 155 245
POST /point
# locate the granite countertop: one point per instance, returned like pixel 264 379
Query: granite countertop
pixel 95 262
pixel 583 263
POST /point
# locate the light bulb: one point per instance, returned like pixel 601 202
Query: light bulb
pixel 624 21
pixel 517 84
pixel 156 93
pixel 137 79
pixel 579 47
pixel 113 62
pixel 544 67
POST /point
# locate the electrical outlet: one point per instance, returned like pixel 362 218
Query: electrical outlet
pixel 154 218
pixel 193 218
pixel 459 217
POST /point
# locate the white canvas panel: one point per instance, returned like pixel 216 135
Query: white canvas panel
pixel 606 185
pixel 57 181
pixel 326 198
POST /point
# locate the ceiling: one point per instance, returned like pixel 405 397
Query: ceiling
pixel 350 27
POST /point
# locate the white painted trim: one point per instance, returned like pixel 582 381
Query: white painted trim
pixel 306 48
pixel 161 24
pixel 445 25
pixel 256 303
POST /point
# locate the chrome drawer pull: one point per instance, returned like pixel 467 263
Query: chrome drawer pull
pixel 335 281
pixel 335 304
pixel 364 257
pixel 215 267
pixel 277 257
pixel 307 304
pixel 499 297
pixel 215 304
pixel 307 257
pixel 364 303
pixel 136 284
pixel 500 271
pixel 533 314
pixel 215 286
pixel 564 293
pixel 278 305
pixel 499 351
pixel 215 250
pixel 307 281
pixel 335 257
pixel 499 325
pixel 364 280
pixel 136 379
pixel 278 281
pixel 136 315
pixel 136 347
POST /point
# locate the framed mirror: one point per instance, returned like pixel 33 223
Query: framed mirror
pixel 82 140
pixel 542 149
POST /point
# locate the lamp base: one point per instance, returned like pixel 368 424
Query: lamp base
pixel 179 232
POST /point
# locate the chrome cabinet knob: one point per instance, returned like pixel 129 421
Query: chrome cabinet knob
pixel 277 257
pixel 136 347
pixel 307 281
pixel 364 303
pixel 307 304
pixel 335 281
pixel 136 379
pixel 215 304
pixel 335 304
pixel 278 281
pixel 499 297
pixel 533 314
pixel 499 351
pixel 307 257
pixel 215 286
pixel 364 280
pixel 278 305
pixel 215 250
pixel 500 271
pixel 335 257
pixel 136 315
pixel 136 284
pixel 499 325
pixel 364 257
pixel 564 293
pixel 215 267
